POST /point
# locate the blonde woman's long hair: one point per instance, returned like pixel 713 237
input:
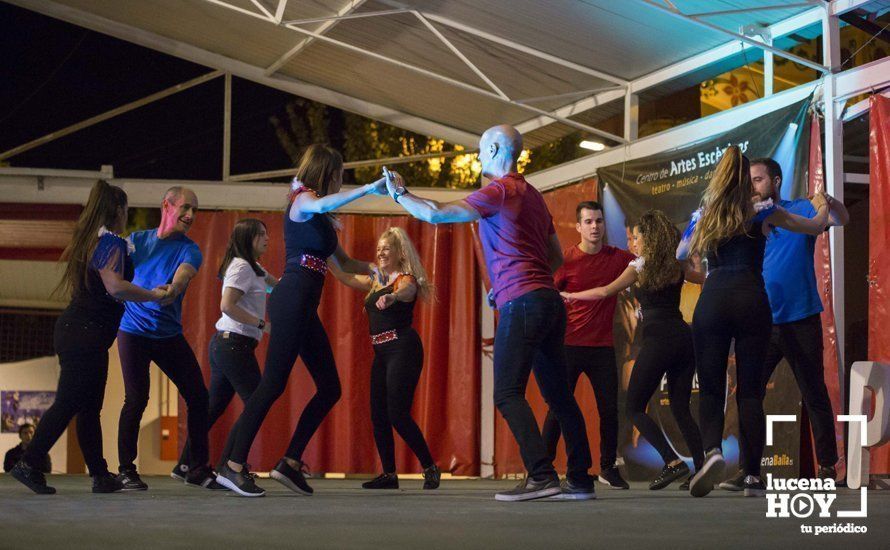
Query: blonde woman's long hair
pixel 726 205
pixel 409 262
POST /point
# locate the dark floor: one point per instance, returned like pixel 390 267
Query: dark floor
pixel 462 514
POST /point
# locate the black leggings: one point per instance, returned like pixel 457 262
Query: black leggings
pixel 82 345
pixel 667 348
pixel 721 315
pixel 233 368
pixel 175 358
pixel 296 332
pixel 394 376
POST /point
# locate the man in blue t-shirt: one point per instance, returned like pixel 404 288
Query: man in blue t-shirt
pixel 152 332
pixel 790 279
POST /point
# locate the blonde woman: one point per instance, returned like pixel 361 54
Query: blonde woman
pixel 731 233
pixel 398 352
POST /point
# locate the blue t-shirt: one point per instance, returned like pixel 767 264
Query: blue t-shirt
pixel 156 261
pixel 788 269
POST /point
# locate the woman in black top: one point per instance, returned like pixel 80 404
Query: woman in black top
pixel 97 275
pixel 730 232
pixel 296 330
pixel 398 352
pixel 667 339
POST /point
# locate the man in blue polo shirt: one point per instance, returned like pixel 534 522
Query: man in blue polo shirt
pixel 152 332
pixel 790 279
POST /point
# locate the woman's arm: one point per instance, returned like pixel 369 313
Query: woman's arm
pixel 358 282
pixel 308 204
pixel 799 224
pixel 344 262
pixel 623 281
pixel 121 289
pixel 229 306
pixel 405 291
pixel 693 271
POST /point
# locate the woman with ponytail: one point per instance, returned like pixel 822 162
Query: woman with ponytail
pixel 667 339
pixel 730 233
pixel 310 239
pixel 97 276
pixel 398 352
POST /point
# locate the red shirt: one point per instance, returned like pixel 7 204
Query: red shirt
pixel 515 232
pixel 590 323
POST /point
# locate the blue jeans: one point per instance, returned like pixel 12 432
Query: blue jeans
pixel 530 337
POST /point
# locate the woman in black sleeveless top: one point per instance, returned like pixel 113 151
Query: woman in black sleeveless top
pixel 666 340
pixel 398 352
pixel 296 330
pixel 98 275
pixel 731 233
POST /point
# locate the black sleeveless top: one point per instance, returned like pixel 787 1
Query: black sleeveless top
pixel 738 261
pixel 399 315
pixel 316 236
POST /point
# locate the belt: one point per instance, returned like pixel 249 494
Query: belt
pixel 229 335
pixel 384 337
pixel 314 263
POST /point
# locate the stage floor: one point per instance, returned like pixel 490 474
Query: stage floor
pixel 461 514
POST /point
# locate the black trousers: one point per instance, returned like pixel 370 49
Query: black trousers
pixel 800 342
pixel 233 369
pixel 296 332
pixel 394 376
pixel 529 337
pixel 82 343
pixel 175 358
pixel 721 315
pixel 667 349
pixel 598 363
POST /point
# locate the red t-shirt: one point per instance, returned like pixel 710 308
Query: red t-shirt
pixel 515 232
pixel 590 322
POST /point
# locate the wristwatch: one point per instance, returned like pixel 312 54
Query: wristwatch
pixel 262 324
pixel 397 194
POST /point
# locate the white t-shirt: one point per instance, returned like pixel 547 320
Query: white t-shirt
pixel 241 276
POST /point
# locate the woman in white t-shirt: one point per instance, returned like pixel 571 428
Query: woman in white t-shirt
pixel 233 365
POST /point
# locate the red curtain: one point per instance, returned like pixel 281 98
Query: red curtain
pixel 822 261
pixel 562 203
pixel 879 250
pixel 446 404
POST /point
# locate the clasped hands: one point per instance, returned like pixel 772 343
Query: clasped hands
pixel 165 294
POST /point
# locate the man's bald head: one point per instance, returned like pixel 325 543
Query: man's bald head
pixel 499 149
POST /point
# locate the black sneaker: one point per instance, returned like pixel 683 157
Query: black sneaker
pixel 735 483
pixel 432 476
pixel 612 478
pixel 668 475
pixel 291 478
pixel 131 480
pixel 106 483
pixel 685 485
pixel 827 472
pixel 204 478
pixel 754 486
pixel 180 471
pixel 703 481
pixel 383 481
pixel 33 479
pixel 241 483
pixel 570 490
pixel 530 489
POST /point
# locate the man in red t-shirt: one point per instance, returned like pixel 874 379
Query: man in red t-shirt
pixel 521 252
pixel 588 343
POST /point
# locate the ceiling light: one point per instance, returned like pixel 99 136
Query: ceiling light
pixel 592 145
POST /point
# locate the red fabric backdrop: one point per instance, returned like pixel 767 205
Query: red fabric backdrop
pixel 822 261
pixel 562 203
pixel 879 250
pixel 446 403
